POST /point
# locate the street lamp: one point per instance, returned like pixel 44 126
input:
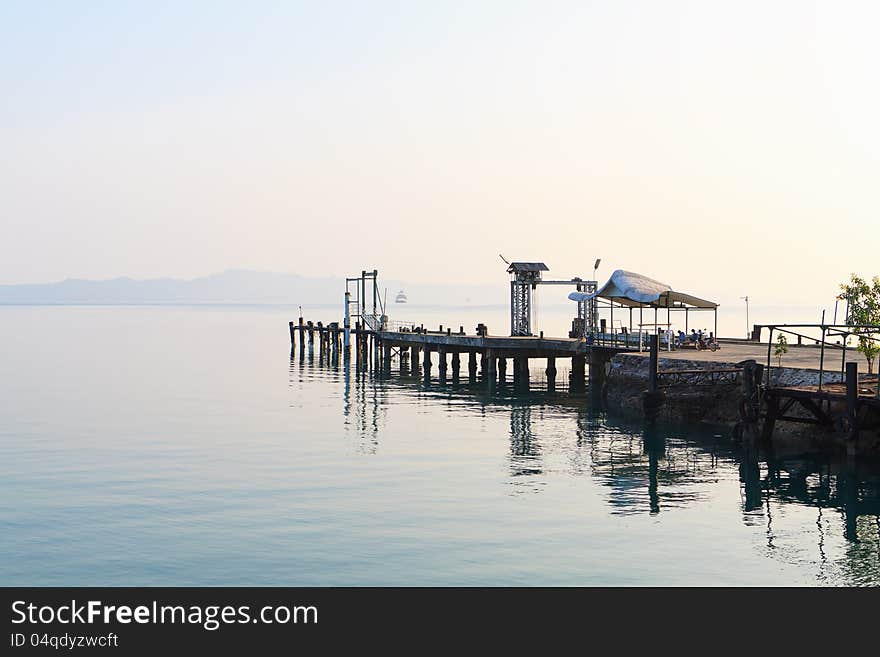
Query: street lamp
pixel 746 298
pixel 595 267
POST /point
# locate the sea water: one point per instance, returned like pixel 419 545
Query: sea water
pixel 179 445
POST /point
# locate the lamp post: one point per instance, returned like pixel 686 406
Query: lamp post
pixel 595 268
pixel 746 299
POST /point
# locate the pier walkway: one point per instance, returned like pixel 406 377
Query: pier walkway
pixel 798 356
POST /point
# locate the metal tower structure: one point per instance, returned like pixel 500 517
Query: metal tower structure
pixel 525 277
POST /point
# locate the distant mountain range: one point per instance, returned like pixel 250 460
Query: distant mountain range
pixel 239 286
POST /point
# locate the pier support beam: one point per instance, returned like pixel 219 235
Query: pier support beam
pixel 597 375
pixel 472 366
pixel 489 372
pixel 750 407
pixel 521 373
pixel 456 366
pixel 441 365
pixel 502 371
pixel 851 425
pixel 414 360
pixel 578 372
pixel 426 364
pixel 551 373
pixel 292 337
pixel 386 358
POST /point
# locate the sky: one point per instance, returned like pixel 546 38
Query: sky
pixel 726 148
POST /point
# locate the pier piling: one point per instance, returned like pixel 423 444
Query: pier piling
pixel 502 371
pixel 551 373
pixel 578 373
pixel 414 360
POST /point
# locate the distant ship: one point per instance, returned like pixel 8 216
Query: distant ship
pixel 400 298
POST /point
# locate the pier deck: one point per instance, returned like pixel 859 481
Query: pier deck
pixel 501 346
pixel 801 357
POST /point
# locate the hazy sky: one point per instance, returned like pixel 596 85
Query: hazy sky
pixel 724 147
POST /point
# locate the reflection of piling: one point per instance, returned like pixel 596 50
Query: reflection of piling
pixel 655 447
pixel 750 477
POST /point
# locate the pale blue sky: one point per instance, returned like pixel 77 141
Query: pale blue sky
pixel 719 141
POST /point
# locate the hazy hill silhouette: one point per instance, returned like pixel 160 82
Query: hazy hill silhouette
pixel 237 286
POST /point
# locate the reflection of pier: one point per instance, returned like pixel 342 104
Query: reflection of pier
pixel 646 469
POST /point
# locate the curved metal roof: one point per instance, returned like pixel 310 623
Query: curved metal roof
pixel 638 291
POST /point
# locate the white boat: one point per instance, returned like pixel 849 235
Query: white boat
pixel 400 298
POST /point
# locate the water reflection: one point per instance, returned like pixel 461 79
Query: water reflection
pixel 650 469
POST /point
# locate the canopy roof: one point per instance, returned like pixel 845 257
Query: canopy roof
pixel 638 291
pixel 527 266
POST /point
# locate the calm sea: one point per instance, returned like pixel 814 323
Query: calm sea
pixel 185 446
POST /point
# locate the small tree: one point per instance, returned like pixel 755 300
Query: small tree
pixel 781 348
pixel 863 300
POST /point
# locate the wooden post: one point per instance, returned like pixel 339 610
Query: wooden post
pixel 292 336
pixel 551 373
pixel 770 420
pixel 472 366
pixel 441 364
pixel 502 370
pixel 302 337
pixel 414 360
pixel 852 401
pixel 456 366
pixel 489 373
pixel 311 334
